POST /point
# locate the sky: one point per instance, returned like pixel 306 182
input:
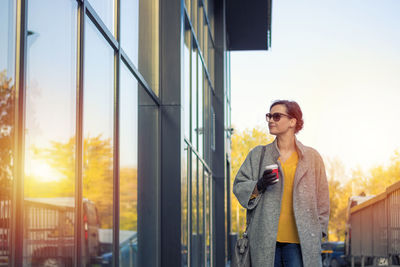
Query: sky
pixel 340 60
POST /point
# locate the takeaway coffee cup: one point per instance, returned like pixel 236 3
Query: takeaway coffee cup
pixel 274 168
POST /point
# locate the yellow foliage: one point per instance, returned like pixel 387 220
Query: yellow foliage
pixel 7 98
pixel 128 199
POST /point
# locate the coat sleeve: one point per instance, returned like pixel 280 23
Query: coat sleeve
pixel 322 196
pixel 245 182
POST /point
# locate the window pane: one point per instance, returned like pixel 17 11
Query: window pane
pixel 200 126
pixel 49 182
pixel 208 217
pixel 149 42
pixel 210 59
pixel 7 105
pixel 208 119
pixel 184 204
pixel 7 42
pixel 210 14
pixel 201 215
pixel 186 84
pixel 194 10
pixel 187 5
pixel 98 144
pixel 105 10
pixel 200 32
pixel 130 29
pixel 205 44
pixel 194 242
pixel 193 95
pixel 128 135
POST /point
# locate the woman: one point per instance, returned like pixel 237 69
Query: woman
pixel 289 216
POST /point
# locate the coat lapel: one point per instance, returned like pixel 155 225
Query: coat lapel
pixel 275 151
pixel 302 165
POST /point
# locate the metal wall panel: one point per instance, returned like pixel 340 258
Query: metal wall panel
pixel 366 231
pixel 379 230
pixel 356 234
pixel 375 225
pixel 394 222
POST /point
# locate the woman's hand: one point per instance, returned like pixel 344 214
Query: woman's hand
pixel 266 180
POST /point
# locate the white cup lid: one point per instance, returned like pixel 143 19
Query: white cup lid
pixel 272 166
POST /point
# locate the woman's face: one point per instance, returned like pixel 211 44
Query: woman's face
pixel 284 124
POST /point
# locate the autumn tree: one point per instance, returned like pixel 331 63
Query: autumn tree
pixel 338 196
pixel 128 198
pixel 381 177
pixel 6 134
pixel 97 179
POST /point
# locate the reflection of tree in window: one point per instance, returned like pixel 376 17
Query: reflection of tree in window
pixel 6 133
pixel 128 198
pixel 97 159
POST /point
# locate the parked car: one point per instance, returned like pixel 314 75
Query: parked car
pixel 333 254
pixel 127 248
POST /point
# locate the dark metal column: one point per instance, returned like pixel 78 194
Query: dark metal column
pixel 148 181
pixel 171 29
pixel 116 176
pixel 79 137
pixel 218 157
pixel 17 231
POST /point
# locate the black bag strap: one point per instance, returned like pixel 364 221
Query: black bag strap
pixel 248 213
pixel 261 161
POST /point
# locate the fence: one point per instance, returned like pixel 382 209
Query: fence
pixel 5 235
pixel 49 233
pixel 375 227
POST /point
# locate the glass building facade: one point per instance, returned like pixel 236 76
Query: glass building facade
pixel 114 133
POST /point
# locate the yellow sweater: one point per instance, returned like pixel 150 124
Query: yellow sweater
pixel 287 230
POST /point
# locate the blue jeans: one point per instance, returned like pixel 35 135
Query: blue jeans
pixel 288 255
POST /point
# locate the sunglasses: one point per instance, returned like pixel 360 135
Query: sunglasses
pixel 276 116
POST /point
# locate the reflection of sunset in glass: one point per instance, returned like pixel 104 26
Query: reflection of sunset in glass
pixel 42 171
pixel 49 143
pixel 98 137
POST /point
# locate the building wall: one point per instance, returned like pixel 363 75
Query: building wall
pixel 113 133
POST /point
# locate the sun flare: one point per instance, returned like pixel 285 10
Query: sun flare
pixel 41 171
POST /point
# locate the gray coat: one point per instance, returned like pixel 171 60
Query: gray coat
pixel 310 204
